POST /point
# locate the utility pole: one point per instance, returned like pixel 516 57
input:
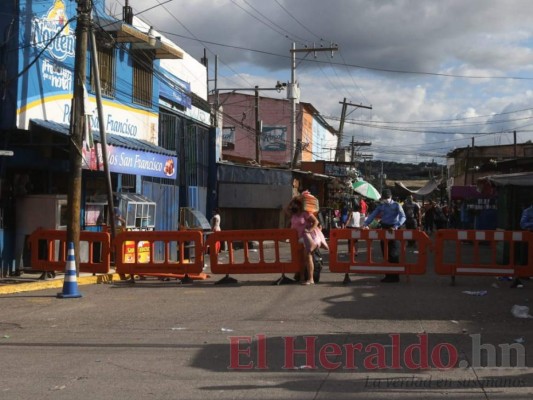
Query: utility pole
pixel 205 63
pixel 352 150
pixel 293 92
pixel 103 136
pixel 355 144
pixel 257 127
pixel 469 154
pixel 341 124
pixel 381 178
pixel 514 144
pixel 279 87
pixel 77 123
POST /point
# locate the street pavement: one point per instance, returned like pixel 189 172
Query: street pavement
pixel 420 338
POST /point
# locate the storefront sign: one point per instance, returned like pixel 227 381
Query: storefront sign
pixel 333 169
pixel 133 162
pixel 175 90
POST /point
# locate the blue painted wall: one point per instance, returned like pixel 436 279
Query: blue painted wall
pixel 47 80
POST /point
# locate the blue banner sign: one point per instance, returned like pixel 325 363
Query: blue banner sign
pixel 126 161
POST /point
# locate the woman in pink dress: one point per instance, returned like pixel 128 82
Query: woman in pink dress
pixel 305 224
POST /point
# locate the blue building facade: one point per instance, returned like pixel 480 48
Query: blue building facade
pixel 147 154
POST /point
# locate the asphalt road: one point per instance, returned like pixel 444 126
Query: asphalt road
pixel 417 339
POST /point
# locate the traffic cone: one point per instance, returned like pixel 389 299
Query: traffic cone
pixel 70 285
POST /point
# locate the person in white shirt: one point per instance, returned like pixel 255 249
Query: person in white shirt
pixel 354 218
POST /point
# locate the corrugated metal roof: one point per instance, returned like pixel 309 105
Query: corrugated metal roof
pixel 113 140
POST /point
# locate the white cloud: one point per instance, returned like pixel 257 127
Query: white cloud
pixel 447 38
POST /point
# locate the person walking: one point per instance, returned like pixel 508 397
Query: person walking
pixel 526 223
pixel 354 218
pixel 215 226
pixel 392 218
pixel 526 219
pixel 344 216
pixel 441 219
pixel 412 216
pixel 429 217
pixel 304 223
pixel 364 207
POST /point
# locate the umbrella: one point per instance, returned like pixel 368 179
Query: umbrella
pixel 366 189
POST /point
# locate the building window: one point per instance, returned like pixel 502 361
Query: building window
pixel 196 155
pixel 143 77
pixel 169 126
pixel 106 69
pixel 191 142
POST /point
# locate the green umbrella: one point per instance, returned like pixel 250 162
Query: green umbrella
pixel 366 189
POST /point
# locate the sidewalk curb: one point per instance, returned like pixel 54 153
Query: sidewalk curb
pixel 56 283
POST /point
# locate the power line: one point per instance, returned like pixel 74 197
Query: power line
pixel 289 35
pixel 449 120
pixel 202 43
pixel 357 65
pixel 38 56
pixel 298 22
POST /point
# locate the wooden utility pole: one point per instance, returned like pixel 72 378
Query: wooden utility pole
pixel 257 128
pixel 103 136
pixel 77 125
pixel 293 92
pixel 341 125
pixel 353 145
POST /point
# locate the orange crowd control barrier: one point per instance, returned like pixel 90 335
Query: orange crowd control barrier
pixel 49 251
pixel 472 252
pixel 166 254
pixel 354 251
pixel 261 253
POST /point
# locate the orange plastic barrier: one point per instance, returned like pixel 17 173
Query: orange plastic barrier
pixel 266 259
pixel 154 253
pixel 359 259
pixel 49 251
pixel 471 252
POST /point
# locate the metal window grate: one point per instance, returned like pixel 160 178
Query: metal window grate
pixel 106 68
pixel 143 77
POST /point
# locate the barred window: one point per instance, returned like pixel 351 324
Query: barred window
pixel 106 69
pixel 191 142
pixel 143 77
pixel 169 126
pixel 196 155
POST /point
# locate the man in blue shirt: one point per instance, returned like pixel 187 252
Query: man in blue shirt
pixel 526 220
pixel 392 218
pixel 526 223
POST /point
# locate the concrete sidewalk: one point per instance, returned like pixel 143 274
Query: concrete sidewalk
pixel 30 282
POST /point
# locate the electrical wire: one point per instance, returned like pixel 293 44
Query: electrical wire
pixel 38 56
pixel 203 44
pixel 298 22
pixel 288 34
pixel 496 77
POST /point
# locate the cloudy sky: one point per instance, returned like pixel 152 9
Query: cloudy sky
pixel 435 72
